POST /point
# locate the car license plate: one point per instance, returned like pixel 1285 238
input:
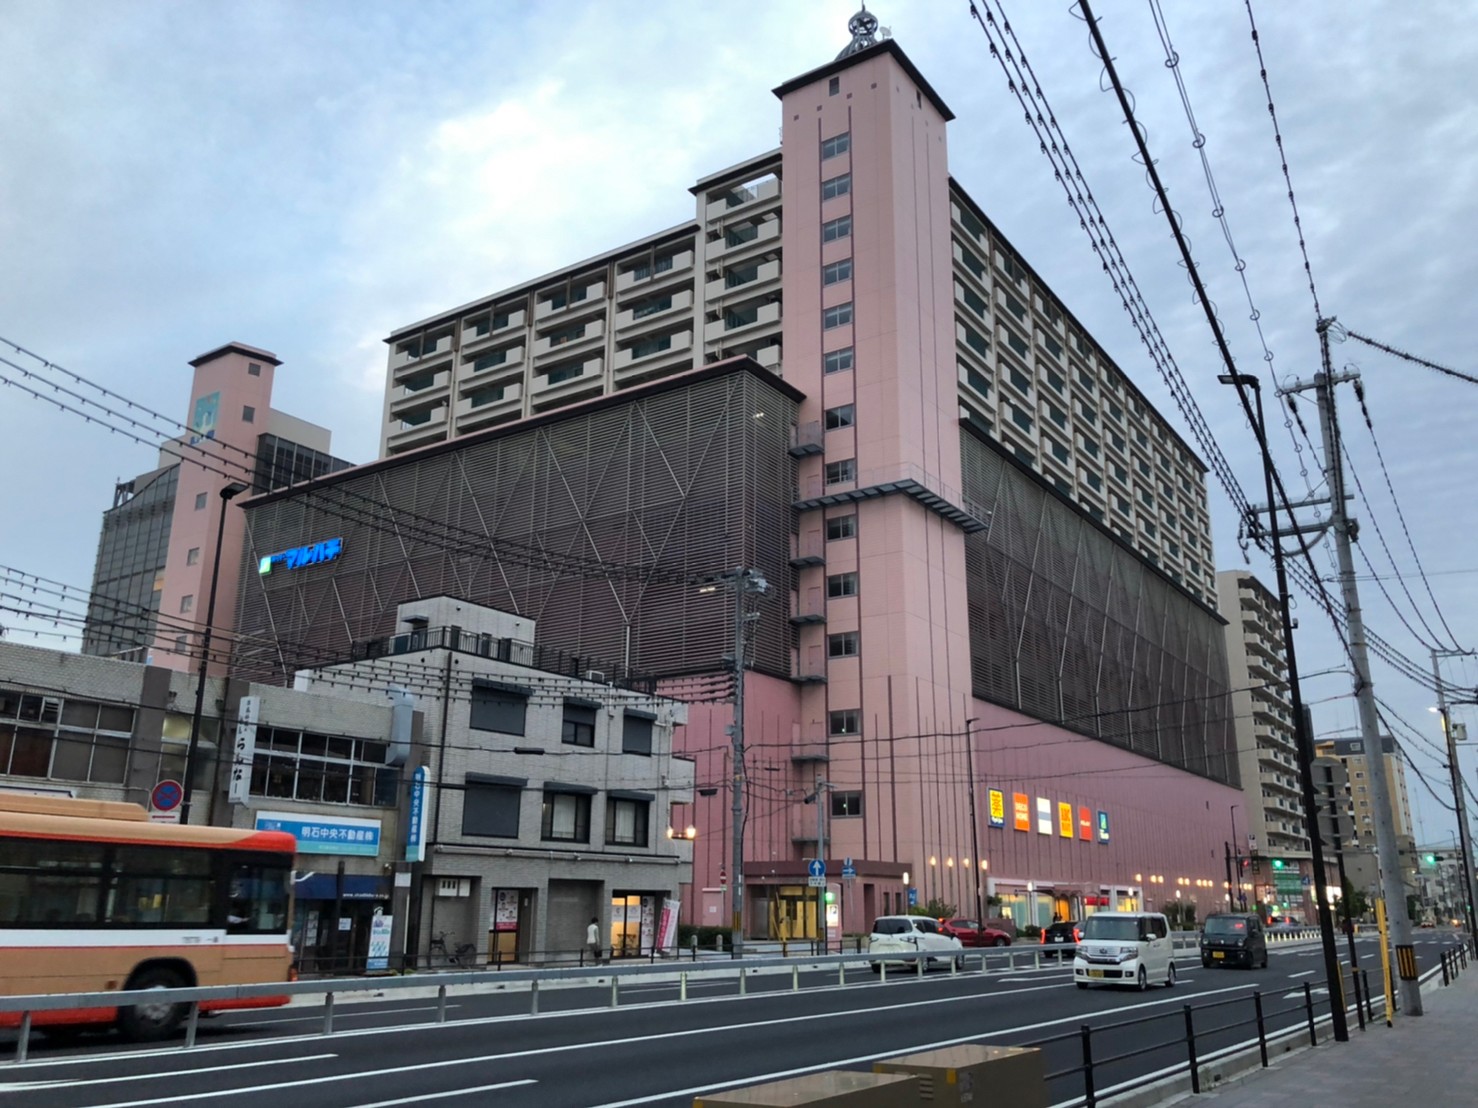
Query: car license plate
pixel 1095 973
pixel 1218 954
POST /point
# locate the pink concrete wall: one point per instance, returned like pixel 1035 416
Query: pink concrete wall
pixel 190 528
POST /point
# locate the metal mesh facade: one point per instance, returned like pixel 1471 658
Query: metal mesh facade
pixel 692 479
pixel 1069 626
pixel 132 551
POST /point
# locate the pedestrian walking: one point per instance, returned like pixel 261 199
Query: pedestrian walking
pixel 592 939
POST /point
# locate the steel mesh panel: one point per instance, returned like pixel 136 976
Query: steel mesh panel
pixel 1069 626
pixel 688 480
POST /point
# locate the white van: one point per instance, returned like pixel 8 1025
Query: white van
pixel 1124 948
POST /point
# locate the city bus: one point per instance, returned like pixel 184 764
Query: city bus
pixel 96 897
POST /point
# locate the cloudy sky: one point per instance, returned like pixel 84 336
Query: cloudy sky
pixel 305 177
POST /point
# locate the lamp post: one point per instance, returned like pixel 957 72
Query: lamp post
pixel 974 822
pixel 193 748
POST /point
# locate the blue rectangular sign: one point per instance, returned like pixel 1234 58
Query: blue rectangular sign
pixel 1103 828
pixel 320 835
pixel 300 556
pixel 415 824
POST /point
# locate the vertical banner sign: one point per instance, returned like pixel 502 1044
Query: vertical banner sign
pixel 1103 828
pixel 667 928
pixel 1021 813
pixel 1064 819
pixel 1044 816
pixel 997 808
pixel 245 749
pixel 379 941
pixel 415 823
pixel 1085 825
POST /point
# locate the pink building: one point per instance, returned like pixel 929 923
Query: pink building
pixel 989 655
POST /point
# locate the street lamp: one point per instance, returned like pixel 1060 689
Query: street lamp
pixel 192 750
pixel 974 822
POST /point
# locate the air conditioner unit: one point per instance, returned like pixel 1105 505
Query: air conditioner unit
pixel 595 675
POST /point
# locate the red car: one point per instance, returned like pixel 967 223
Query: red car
pixel 971 933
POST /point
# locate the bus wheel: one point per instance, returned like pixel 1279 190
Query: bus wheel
pixel 154 1021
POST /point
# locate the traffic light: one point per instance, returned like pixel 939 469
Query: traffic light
pixel 1431 859
pixel 829 897
pixel 1277 863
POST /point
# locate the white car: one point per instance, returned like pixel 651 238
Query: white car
pixel 1124 948
pixel 892 934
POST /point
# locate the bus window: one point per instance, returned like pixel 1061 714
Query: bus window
pixel 156 886
pixel 258 897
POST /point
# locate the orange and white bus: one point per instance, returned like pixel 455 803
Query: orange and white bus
pixel 95 897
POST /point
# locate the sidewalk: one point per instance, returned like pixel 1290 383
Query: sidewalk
pixel 1427 1060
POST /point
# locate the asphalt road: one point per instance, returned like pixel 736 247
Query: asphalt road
pixel 580 1053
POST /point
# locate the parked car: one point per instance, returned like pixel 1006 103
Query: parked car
pixel 1124 948
pixel 1060 939
pixel 896 934
pixel 973 933
pixel 1233 939
pixel 1280 924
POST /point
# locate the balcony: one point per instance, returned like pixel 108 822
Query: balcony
pixel 484 328
pixel 811 609
pixel 737 322
pixel 588 295
pixel 414 388
pixel 659 269
pixel 653 353
pixel 416 429
pixel 421 349
pixel 807 438
pixel 757 276
pixel 506 359
pixel 723 201
pixel 742 240
pixel 488 404
pixel 808 550
pixel 663 309
pixel 566 378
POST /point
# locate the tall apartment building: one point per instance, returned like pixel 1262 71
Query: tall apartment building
pixel 1356 760
pixel 989 558
pixel 1267 744
pixel 157 543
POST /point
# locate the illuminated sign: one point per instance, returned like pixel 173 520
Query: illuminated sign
pixel 1044 816
pixel 1103 830
pixel 997 808
pixel 300 556
pixel 1065 820
pixel 1085 825
pixel 1021 812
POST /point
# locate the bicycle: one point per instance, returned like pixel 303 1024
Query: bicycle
pixel 464 954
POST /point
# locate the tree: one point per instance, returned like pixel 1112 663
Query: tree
pixel 1358 902
pixel 935 909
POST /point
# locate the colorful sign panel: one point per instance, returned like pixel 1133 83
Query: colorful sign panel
pixel 415 824
pixel 997 808
pixel 1044 816
pixel 300 556
pixel 1064 819
pixel 1085 825
pixel 1021 812
pixel 323 835
pixel 379 941
pixel 203 419
pixel 1103 826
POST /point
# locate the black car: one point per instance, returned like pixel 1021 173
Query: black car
pixel 1061 938
pixel 1233 938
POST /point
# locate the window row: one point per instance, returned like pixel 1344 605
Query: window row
pixel 492 807
pixel 504 709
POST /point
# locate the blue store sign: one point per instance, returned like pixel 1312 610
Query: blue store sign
pixel 323 835
pixel 299 556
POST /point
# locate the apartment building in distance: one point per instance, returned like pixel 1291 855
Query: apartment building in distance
pixel 157 545
pixel 989 562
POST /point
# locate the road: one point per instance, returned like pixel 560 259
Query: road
pixel 580 1053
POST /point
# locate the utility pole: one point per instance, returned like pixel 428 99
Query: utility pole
pixel 1393 886
pixel 1464 845
pixel 974 821
pixel 819 798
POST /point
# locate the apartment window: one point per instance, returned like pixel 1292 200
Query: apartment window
pixel 1013 268
pixel 1052 346
pixel 566 334
pixel 837 272
pixel 1120 473
pixel 843 416
pixel 187 602
pixel 838 361
pixel 839 472
pixel 1013 340
pixel 627 820
pixel 566 817
pixel 834 229
pixel 972 263
pixel 836 186
pixel 1115 412
pixel 490 805
pixel 841 527
pixel 1143 467
pixel 846 805
pixel 253 369
pixel 976 380
pixel 845 645
pixel 841 584
pixel 1090 446
pixel 1085 379
pixel 837 144
pixel 1020 418
pixel 839 316
pixel 648 347
pixel 847 721
pixel 636 732
pixel 1015 307
pixel 192 556
pixel 500 708
pixel 976 341
pixel 487 361
pixel 1094 480
pixel 478 398
pixel 1058 450
pixel 1121 503
pixel 182 644
pixel 1056 383
pixel 833 86
pixel 567 372
pixel 1057 415
pixel 199 501
pixel 578 726
pixel 973 302
pixel 334 769
pixel 1021 381
pixel 248 413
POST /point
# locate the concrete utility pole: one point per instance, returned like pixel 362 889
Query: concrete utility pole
pixel 1393 886
pixel 974 821
pixel 1464 845
pixel 819 796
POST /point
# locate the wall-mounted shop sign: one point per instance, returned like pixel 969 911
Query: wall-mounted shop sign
pixel 997 808
pixel 1021 812
pixel 1044 816
pixel 300 556
pixel 1103 828
pixel 323 835
pixel 1085 825
pixel 1064 819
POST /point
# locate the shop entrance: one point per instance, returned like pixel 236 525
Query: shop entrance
pixel 507 938
pixel 792 913
pixel 633 924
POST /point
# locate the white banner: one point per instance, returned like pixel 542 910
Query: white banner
pixel 245 749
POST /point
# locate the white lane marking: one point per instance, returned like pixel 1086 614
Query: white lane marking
pixel 700 1090
pixel 1305 973
pixel 339 1014
pixel 1298 995
pixel 449 1092
pixel 14 1086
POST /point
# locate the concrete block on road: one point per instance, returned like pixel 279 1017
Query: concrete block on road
pixel 953 1076
pixel 836 1089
